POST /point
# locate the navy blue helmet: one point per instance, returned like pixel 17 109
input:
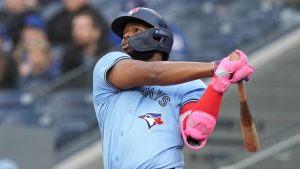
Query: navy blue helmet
pixel 158 38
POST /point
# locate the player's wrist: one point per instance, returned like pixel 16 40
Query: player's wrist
pixel 229 70
pixel 215 65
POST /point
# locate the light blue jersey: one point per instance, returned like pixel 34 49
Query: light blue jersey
pixel 140 127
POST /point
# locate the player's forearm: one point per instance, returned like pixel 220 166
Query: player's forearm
pixel 129 73
pixel 168 73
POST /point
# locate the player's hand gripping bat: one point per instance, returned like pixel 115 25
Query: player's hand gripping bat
pixel 248 129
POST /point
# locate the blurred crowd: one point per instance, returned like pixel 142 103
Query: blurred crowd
pixel 48 45
pixel 38 44
pixel 41 40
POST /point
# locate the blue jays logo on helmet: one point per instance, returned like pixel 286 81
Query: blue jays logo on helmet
pixel 152 119
pixel 132 11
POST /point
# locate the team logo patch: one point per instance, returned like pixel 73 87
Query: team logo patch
pixel 152 119
pixel 132 11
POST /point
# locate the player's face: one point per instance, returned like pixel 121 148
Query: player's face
pixel 131 29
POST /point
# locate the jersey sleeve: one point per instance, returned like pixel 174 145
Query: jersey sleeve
pixel 192 91
pixel 101 86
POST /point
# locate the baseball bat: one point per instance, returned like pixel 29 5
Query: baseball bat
pixel 248 129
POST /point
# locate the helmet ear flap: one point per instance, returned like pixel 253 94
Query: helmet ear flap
pixel 153 39
pixel 143 41
pixel 165 39
pixel 163 33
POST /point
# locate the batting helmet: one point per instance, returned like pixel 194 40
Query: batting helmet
pixel 158 38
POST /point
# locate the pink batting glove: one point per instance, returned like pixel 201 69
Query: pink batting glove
pixel 196 127
pixel 224 71
pixel 242 73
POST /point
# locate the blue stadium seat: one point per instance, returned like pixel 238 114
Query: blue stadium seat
pixel 72 113
pixel 16 108
pixel 12 98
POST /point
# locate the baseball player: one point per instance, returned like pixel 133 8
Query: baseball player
pixel 147 107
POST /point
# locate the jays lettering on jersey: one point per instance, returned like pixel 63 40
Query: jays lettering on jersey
pixel 140 127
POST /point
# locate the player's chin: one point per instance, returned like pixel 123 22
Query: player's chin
pixel 127 50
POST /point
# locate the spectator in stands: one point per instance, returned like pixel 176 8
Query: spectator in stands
pixel 89 41
pixel 8 72
pixel 8 68
pixel 32 34
pixel 5 40
pixel 34 5
pixel 33 55
pixel 37 72
pixel 59 26
pixel 12 17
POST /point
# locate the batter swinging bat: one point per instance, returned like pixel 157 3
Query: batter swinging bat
pixel 248 129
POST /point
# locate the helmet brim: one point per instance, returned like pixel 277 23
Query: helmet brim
pixel 119 24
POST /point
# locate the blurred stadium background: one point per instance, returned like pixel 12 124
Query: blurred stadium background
pixel 50 123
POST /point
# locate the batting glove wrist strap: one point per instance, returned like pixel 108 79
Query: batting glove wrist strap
pixel 196 127
pixel 220 84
